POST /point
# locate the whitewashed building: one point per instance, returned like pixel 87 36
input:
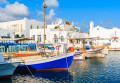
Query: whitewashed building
pixel 57 33
pixel 21 27
pixel 112 34
pixel 6 33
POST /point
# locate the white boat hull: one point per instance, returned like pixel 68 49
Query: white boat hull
pixel 105 51
pixel 95 54
pixel 7 69
pixel 79 56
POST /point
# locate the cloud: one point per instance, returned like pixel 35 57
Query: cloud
pixel 50 15
pixel 3 1
pixel 52 3
pixel 5 17
pixel 40 13
pixel 58 21
pixel 17 9
pixel 13 11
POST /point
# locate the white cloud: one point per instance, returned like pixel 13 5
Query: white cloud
pixel 5 17
pixel 17 9
pixel 40 13
pixel 3 2
pixel 50 15
pixel 58 21
pixel 52 3
pixel 13 11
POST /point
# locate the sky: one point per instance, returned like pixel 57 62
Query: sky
pixel 81 12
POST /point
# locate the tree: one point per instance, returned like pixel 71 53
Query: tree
pixel 17 36
pixel 23 36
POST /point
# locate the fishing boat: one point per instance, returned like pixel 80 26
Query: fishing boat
pixel 37 61
pixel 79 56
pixel 60 60
pixel 95 53
pixel 7 68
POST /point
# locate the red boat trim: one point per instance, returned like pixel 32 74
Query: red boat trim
pixel 55 69
pixel 93 57
pixel 78 56
pixel 91 53
pixel 78 60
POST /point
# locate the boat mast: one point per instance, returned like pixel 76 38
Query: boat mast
pixel 109 23
pixel 44 24
pixel 83 44
pixel 99 21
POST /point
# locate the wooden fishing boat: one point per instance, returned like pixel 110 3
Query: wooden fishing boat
pixel 96 53
pixel 41 61
pixel 79 56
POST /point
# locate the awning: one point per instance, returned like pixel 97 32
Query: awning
pixel 14 39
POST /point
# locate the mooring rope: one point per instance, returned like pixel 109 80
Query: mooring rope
pixel 23 61
pixel 28 68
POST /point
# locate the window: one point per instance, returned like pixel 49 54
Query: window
pixel 62 39
pixel 37 27
pixel 31 27
pixel 55 40
pixel 97 28
pixel 77 41
pixel 39 38
pixel 71 41
pixel 33 37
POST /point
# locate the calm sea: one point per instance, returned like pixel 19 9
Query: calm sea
pixel 103 70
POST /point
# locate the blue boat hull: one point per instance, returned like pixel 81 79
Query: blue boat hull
pixel 59 64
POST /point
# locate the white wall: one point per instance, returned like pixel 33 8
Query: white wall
pixel 21 26
pixel 106 33
pixel 4 32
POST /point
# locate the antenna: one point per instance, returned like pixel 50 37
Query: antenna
pixel 44 24
pixel 99 21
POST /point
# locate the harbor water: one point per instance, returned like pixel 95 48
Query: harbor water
pixel 101 70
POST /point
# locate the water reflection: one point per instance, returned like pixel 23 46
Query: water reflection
pixel 45 76
pixel 101 70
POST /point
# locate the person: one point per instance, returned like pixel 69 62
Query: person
pixel 37 46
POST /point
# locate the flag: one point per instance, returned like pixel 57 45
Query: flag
pixel 67 23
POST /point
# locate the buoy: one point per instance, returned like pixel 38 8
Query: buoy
pixel 71 49
pixel 73 75
pixel 108 47
pixel 57 47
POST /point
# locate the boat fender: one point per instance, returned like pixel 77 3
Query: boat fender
pixel 84 56
pixel 57 47
pixel 73 75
